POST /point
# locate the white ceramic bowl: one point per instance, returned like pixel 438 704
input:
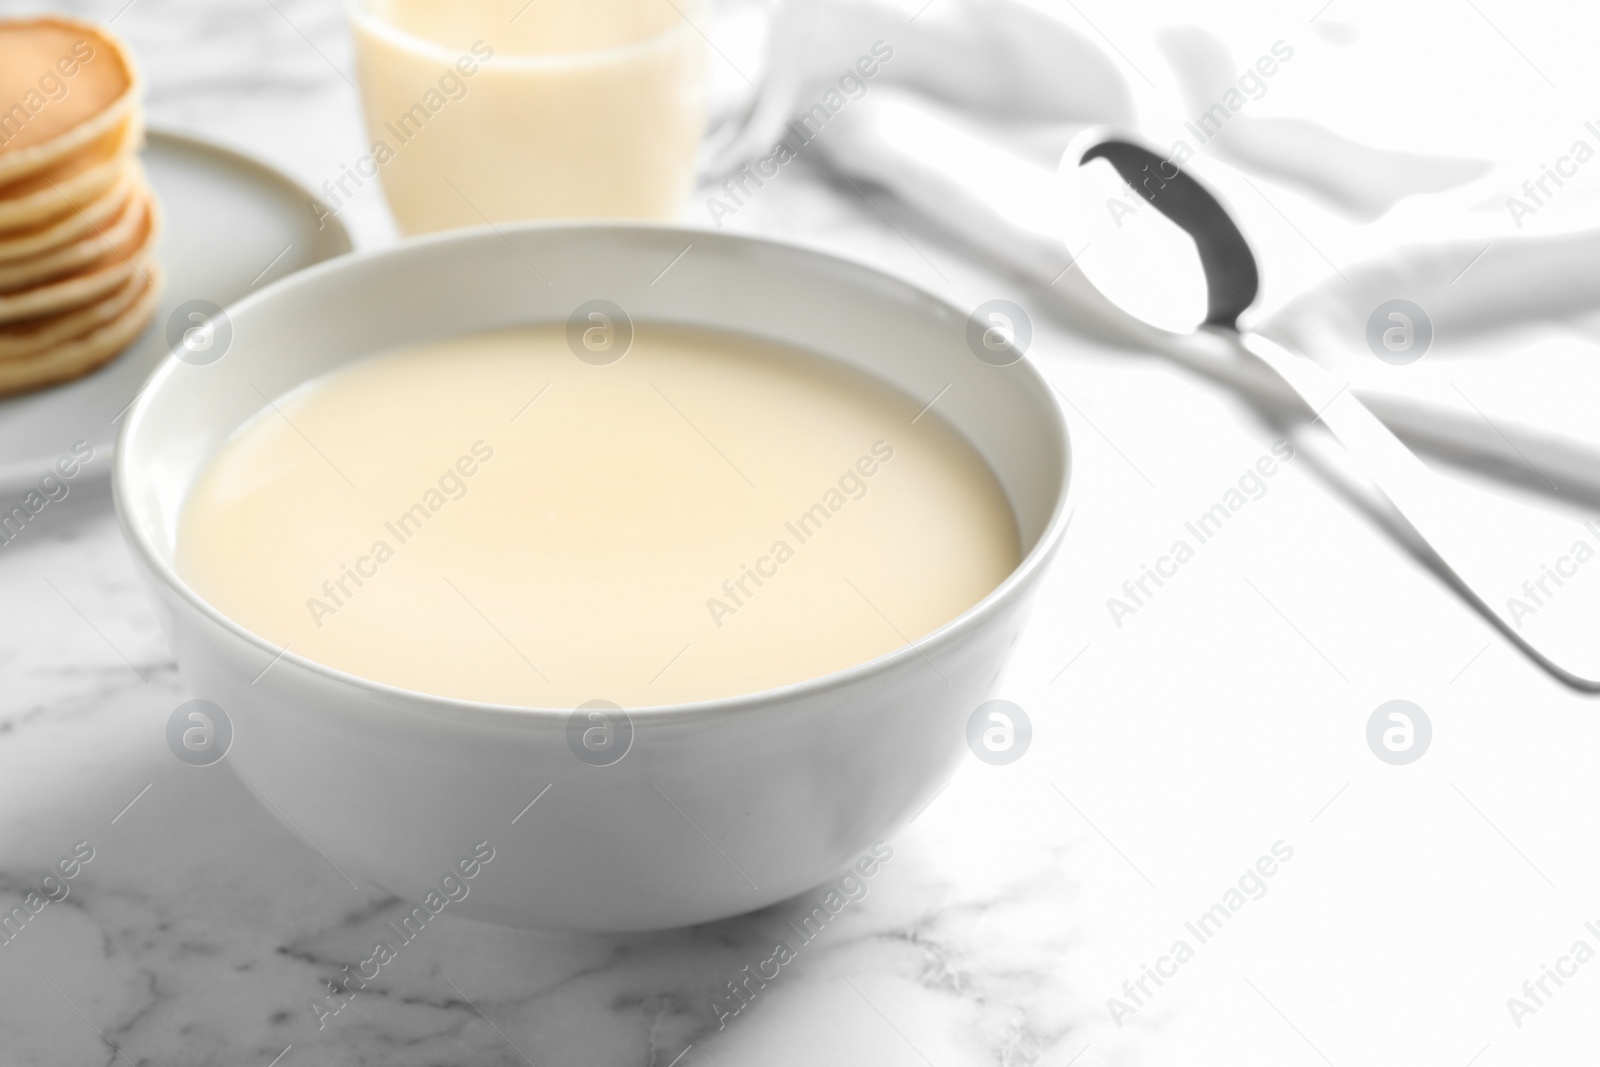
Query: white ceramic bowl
pixel 719 807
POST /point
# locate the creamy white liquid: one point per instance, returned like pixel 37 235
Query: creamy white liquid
pixel 710 516
pixel 501 109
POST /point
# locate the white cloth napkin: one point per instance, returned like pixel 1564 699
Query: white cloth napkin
pixel 966 118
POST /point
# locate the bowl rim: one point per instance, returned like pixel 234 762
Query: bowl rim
pixel 1026 571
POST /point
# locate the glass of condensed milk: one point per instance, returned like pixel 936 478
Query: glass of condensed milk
pixel 493 110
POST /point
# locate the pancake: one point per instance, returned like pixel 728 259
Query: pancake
pixel 71 184
pixel 20 244
pixel 59 262
pixel 78 356
pixel 99 277
pixel 63 85
pixel 78 225
pixel 21 339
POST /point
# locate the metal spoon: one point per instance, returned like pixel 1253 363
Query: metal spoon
pixel 1444 516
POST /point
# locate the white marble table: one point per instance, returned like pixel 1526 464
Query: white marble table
pixel 1224 718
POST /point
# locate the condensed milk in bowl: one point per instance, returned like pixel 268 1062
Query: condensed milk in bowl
pixel 675 590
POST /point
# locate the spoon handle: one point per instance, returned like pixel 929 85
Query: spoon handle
pixel 1441 513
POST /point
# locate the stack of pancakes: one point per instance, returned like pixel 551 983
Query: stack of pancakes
pixel 78 223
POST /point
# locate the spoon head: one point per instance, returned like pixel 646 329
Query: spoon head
pixel 1179 266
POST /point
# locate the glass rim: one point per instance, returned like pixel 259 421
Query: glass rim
pixel 360 14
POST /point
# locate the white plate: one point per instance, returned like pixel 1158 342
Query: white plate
pixel 232 224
